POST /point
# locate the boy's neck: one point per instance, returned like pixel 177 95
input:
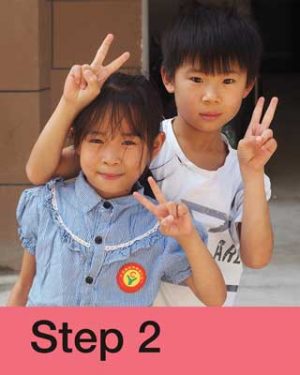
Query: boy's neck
pixel 207 150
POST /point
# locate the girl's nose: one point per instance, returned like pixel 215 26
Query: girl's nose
pixel 111 155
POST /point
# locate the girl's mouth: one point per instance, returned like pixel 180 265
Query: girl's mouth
pixel 111 176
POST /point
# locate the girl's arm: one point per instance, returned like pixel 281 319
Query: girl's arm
pixel 19 294
pixel 206 281
pixel 82 85
pixel 254 151
pixel 175 220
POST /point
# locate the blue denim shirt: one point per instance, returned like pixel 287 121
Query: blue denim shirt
pixel 95 252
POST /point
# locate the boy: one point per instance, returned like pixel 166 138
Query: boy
pixel 211 60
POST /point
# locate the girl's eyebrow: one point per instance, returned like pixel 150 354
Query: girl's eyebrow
pixel 95 132
pixel 129 134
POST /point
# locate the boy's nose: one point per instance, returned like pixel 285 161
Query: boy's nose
pixel 210 94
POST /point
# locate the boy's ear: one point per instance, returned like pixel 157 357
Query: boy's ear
pixel 157 145
pixel 249 88
pixel 168 82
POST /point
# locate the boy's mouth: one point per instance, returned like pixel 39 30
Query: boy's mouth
pixel 210 115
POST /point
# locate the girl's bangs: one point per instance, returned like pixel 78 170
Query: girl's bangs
pixel 113 116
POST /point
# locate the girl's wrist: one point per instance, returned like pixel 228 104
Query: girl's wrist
pixel 187 238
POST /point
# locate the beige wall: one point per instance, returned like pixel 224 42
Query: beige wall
pixel 40 40
pixel 80 26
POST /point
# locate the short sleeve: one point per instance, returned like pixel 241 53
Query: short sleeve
pixel 176 266
pixel 28 218
pixel 238 201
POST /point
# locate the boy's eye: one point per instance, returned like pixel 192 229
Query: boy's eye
pixel 196 79
pixel 229 81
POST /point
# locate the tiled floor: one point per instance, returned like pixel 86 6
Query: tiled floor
pixel 7 280
pixel 279 283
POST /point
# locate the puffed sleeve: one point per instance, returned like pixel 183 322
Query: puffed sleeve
pixel 28 217
pixel 238 201
pixel 176 266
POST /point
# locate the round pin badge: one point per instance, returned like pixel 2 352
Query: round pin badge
pixel 131 277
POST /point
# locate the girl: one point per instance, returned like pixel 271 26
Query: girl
pixel 96 240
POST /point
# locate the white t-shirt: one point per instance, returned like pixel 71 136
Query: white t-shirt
pixel 215 199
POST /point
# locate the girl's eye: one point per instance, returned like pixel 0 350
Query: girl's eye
pixel 196 79
pixel 96 140
pixel 128 143
pixel 229 81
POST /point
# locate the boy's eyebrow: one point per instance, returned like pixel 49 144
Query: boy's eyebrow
pixel 198 70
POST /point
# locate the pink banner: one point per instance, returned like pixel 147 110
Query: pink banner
pixel 150 340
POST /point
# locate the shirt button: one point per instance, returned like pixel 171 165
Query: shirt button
pixel 89 279
pixel 98 240
pixel 107 205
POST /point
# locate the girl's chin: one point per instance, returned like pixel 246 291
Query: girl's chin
pixel 111 194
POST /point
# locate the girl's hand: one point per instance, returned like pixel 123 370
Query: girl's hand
pixel 84 82
pixel 258 144
pixel 174 218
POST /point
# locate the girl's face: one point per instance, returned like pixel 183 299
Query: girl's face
pixel 112 163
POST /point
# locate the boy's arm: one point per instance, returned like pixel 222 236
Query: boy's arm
pixel 69 164
pixel 254 151
pixel 82 85
pixel 19 294
pixel 46 159
pixel 175 220
pixel 256 235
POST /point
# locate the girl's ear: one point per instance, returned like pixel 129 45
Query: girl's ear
pixel 168 82
pixel 158 142
pixel 77 150
pixel 249 88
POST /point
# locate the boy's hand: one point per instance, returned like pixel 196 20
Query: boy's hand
pixel 84 82
pixel 258 145
pixel 174 218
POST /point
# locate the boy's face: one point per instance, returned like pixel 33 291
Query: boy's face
pixel 207 102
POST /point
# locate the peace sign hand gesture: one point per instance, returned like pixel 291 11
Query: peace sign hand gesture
pixel 174 218
pixel 258 144
pixel 84 82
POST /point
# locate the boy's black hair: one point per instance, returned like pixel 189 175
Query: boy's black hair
pixel 213 37
pixel 123 96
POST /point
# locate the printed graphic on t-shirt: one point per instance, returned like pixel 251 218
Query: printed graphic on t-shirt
pixel 222 242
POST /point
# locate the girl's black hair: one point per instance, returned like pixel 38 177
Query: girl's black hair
pixel 213 37
pixel 123 96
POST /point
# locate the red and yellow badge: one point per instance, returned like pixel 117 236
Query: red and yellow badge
pixel 131 277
